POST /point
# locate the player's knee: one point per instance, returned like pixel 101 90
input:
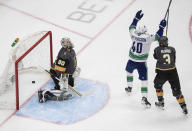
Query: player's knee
pixel 129 74
pixel 158 86
pixel 176 93
pixel 143 78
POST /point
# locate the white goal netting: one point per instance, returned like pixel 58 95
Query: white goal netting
pixel 25 60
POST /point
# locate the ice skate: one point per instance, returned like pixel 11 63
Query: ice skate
pixel 128 90
pixel 160 105
pixel 145 102
pixel 184 109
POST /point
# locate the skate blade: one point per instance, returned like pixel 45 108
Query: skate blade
pixel 128 93
pixel 146 106
pixel 185 116
pixel 160 107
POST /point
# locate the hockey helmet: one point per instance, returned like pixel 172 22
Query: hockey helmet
pixel 66 43
pixel 141 30
pixel 163 41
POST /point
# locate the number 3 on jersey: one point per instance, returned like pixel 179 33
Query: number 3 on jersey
pixel 137 47
pixel 167 59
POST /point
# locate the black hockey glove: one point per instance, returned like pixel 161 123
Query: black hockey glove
pixel 162 24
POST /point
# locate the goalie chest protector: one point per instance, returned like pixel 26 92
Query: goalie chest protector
pixel 66 61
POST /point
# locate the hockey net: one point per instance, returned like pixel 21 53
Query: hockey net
pixel 22 75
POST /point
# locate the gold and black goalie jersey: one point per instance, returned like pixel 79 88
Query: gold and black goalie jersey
pixel 66 61
pixel 61 65
pixel 165 58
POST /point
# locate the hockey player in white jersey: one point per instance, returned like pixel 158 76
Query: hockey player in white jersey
pixel 138 54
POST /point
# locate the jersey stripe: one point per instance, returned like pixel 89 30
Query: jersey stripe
pixel 142 57
pixel 166 69
pixel 132 27
pixel 59 68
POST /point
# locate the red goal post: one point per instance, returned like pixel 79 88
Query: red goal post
pixel 46 34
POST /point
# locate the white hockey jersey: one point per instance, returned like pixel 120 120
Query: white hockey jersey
pixel 141 45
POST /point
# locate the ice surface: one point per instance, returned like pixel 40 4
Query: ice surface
pixel 68 111
pixel 102 46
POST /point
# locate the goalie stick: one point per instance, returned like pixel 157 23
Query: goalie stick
pixel 71 88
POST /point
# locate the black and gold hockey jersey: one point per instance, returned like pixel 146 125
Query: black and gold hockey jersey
pixel 66 61
pixel 165 58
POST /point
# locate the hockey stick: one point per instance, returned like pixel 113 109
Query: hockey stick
pixel 75 91
pixel 167 23
pixel 168 9
pixel 167 15
pixel 71 88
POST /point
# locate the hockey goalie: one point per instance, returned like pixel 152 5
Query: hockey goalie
pixel 63 72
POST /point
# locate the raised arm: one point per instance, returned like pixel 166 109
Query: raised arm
pixel 159 33
pixel 137 17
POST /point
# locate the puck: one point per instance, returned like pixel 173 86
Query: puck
pixel 33 82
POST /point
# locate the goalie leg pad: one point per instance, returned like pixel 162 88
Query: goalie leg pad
pixel 44 95
pixel 71 80
pixel 55 75
pixel 40 96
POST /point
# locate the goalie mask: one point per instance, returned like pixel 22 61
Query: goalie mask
pixel 66 43
pixel 163 41
pixel 141 30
